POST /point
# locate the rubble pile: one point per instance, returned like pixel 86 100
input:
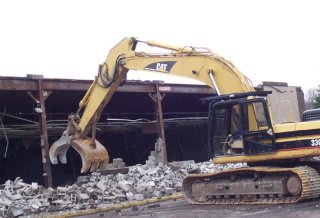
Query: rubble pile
pixel 141 182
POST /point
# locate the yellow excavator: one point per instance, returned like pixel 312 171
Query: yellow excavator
pixel 241 129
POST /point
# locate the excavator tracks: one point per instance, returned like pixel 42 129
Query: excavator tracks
pixel 254 185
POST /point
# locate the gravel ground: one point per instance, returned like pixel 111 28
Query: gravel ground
pixel 310 209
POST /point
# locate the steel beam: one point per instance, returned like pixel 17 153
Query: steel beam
pixel 157 98
pixel 27 84
pixel 47 176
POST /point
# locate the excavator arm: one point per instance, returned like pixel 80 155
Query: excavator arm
pixel 197 63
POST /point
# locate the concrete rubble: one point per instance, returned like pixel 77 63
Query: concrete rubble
pixel 19 199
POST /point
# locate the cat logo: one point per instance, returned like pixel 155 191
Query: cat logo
pixel 162 67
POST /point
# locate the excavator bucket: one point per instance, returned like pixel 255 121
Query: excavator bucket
pixel 94 156
pixel 59 149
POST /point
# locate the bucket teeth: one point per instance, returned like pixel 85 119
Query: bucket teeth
pixel 94 166
pixel 86 165
pixel 94 157
pixel 104 165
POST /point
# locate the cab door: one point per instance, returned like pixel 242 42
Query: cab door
pixel 257 130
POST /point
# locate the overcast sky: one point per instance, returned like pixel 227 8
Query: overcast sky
pixel 269 40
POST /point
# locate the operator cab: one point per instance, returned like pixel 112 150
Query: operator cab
pixel 239 124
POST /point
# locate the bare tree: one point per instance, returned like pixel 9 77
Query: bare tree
pixel 310 98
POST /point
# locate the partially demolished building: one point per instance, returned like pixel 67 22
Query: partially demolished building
pixel 34 110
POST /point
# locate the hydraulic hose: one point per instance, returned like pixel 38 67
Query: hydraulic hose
pixel 107 81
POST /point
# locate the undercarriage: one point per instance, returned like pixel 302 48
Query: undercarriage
pixel 254 185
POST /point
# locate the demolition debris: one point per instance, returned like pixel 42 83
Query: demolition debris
pixel 141 182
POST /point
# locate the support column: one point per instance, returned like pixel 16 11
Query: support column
pixel 157 98
pixel 44 139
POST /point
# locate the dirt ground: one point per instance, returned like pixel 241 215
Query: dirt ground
pixel 310 209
